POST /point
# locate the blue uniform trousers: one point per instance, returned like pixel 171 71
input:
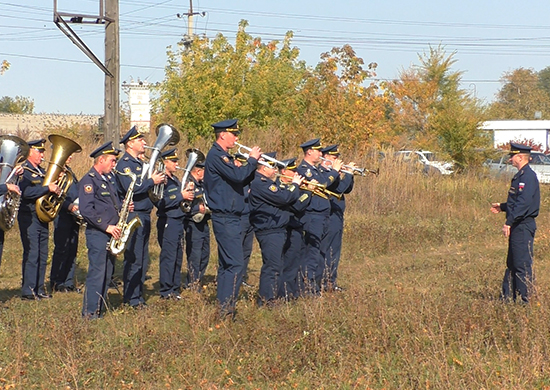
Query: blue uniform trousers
pixel 334 240
pixel 65 238
pixel 135 260
pixel 197 249
pixel 248 242
pixel 170 238
pixel 316 245
pixel 518 277
pixel 271 243
pixel 227 229
pixel 1 244
pixel 100 270
pixel 293 263
pixel 34 236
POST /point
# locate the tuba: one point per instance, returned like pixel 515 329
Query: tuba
pixel 193 157
pixel 48 206
pixel 13 151
pixel 167 135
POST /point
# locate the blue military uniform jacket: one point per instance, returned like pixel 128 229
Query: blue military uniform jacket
pixel 297 209
pixel 141 189
pixel 198 200
pixel 31 187
pixel 342 186
pixel 224 182
pixel 72 192
pixel 326 177
pixel 169 205
pixel 523 201
pixel 99 201
pixel 269 203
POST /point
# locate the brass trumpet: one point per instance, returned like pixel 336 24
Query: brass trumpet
pixel 355 170
pixel 320 189
pixel 265 157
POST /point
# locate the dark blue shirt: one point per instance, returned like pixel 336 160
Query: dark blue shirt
pixel 169 205
pixel 326 177
pixel 224 182
pixel 31 187
pixel 342 186
pixel 297 209
pixel 523 197
pixel 269 203
pixel 141 199
pixel 99 201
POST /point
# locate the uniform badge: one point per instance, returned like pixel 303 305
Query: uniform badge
pixel 172 196
pixel 273 188
pixel 225 159
pixel 34 175
pixel 103 185
pixel 521 186
pixel 127 170
pixel 308 173
pixel 138 168
pixel 88 189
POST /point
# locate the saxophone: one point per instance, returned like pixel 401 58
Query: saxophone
pixel 117 246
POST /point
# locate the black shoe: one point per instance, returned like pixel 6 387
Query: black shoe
pixel 30 297
pixel 73 289
pixel 44 296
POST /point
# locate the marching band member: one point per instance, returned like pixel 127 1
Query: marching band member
pixel 293 249
pixel 224 184
pixel 316 217
pixel 246 226
pixel 170 228
pixel 197 231
pixel 136 253
pixel 99 206
pixel 4 188
pixel 65 238
pixel 270 219
pixel 336 218
pixel 34 233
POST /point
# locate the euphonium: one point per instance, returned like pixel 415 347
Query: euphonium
pixel 48 206
pixel 13 151
pixel 117 246
pixel 166 135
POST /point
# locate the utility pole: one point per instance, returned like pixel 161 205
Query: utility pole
pixel 188 38
pixel 108 15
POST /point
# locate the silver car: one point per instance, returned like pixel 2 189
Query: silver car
pixel 540 164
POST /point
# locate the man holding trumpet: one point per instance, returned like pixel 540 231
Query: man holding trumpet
pixel 316 217
pixel 224 185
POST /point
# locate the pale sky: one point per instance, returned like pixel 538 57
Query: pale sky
pixel 489 37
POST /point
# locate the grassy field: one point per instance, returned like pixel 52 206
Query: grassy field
pixel 422 264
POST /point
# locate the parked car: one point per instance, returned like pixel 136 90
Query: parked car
pixel 427 161
pixel 540 164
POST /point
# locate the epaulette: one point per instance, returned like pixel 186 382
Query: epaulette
pixel 263 178
pixel 91 174
pixel 126 158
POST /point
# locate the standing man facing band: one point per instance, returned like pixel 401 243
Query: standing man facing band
pixel 65 238
pixel 34 232
pixel 136 253
pixel 224 184
pixel 99 206
pixel 336 218
pixel 521 208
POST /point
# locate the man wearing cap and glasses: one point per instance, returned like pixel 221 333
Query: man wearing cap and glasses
pixel 316 217
pixel 521 208
pixel 99 206
pixel 224 184
pixel 34 233
pixel 136 255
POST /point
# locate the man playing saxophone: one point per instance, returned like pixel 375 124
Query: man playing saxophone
pixel 34 233
pixel 137 251
pixel 99 206
pixel 170 228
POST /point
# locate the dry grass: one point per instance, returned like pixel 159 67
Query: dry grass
pixel 422 264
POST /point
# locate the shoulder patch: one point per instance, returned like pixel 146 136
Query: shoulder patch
pixel 273 188
pixel 308 173
pixel 225 159
pixel 88 189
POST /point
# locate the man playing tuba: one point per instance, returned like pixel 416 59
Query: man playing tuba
pixel 136 255
pixel 34 233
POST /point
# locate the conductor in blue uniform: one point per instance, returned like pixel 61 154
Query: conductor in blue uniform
pixel 224 185
pixel 521 208
pixel 99 206
pixel 34 232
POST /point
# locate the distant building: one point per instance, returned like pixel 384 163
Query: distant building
pixel 33 125
pixel 504 131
